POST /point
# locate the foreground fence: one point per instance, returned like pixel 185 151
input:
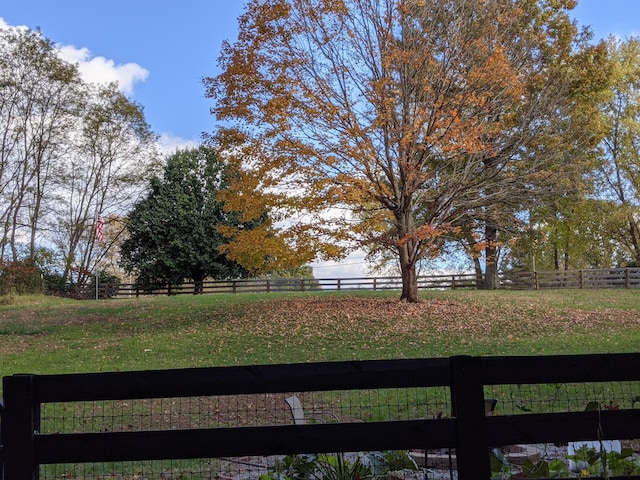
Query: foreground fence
pixel 603 278
pixel 90 425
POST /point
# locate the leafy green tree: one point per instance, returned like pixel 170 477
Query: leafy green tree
pixel 174 233
pixel 105 171
pixel 70 151
pixel 619 168
pixel 572 233
pixel 288 278
pixel 40 99
pixel 569 142
pixel 596 225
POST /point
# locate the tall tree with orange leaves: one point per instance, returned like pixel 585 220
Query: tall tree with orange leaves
pixel 383 122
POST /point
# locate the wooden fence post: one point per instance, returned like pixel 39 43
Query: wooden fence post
pixel 627 278
pixel 19 425
pixel 467 398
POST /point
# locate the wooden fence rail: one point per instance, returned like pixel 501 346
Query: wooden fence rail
pixel 602 278
pixel 468 430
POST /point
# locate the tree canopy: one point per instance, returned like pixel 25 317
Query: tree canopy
pixel 175 232
pixel 595 225
pixel 70 151
pixel 618 173
pixel 385 122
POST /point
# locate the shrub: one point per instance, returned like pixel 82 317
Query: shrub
pixel 19 278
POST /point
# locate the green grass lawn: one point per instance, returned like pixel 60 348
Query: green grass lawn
pixel 48 335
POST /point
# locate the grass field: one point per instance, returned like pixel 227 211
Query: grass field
pixel 48 335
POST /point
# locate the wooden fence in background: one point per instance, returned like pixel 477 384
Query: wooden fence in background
pixel 272 285
pixel 602 278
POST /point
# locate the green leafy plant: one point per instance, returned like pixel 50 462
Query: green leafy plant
pixel 399 460
pixel 539 469
pixel 292 467
pixel 360 466
pixel 558 469
pixel 592 462
pixel 545 469
pixel 338 467
pixel 623 463
pixel 500 468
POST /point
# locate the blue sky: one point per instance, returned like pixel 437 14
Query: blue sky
pixel 160 49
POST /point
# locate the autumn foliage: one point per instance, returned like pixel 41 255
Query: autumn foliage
pixel 384 123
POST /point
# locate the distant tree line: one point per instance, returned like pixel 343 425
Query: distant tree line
pixel 413 130
pixel 85 195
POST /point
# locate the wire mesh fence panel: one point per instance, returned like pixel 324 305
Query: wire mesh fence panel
pixel 377 405
pixel 401 419
pixel 243 410
pixel 345 406
pixel 195 469
pixel 573 458
pixel 564 397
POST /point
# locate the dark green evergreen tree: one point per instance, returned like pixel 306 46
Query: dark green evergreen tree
pixel 174 231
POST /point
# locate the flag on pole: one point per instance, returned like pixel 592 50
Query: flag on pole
pixel 99 225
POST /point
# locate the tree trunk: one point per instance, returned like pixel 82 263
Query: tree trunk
pixel 407 253
pixel 409 283
pixel 634 233
pixel 477 266
pixel 491 256
pixel 409 276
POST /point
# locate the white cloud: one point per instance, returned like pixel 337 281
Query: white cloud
pixel 103 70
pixel 169 143
pixel 98 69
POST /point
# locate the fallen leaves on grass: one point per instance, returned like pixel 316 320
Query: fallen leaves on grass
pixel 325 321
pixel 313 317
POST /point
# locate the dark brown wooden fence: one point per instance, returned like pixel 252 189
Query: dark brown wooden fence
pixel 468 430
pixel 603 278
pixel 273 285
pixel 553 279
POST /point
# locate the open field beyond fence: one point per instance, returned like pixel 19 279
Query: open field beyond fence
pixel 45 335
